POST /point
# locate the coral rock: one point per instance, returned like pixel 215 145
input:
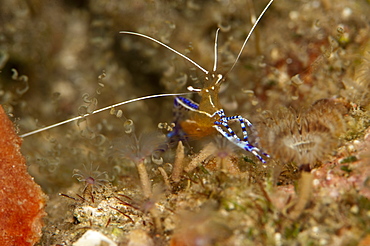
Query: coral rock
pixel 21 199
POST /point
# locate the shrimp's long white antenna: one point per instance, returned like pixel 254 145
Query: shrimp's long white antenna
pixel 249 34
pixel 216 41
pixel 168 47
pixel 100 110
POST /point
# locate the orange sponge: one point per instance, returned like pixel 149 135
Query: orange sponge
pixel 21 200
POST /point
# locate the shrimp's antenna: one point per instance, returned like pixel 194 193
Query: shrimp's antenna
pixel 168 47
pixel 249 35
pixel 216 41
pixel 101 110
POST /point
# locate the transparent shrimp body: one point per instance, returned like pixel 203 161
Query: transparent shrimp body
pixel 208 117
pixel 202 117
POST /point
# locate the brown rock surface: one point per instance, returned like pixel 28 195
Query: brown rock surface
pixel 21 199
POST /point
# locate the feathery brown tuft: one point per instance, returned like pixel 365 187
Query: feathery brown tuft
pixel 304 138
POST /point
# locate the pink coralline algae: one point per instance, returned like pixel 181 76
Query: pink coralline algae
pixel 21 200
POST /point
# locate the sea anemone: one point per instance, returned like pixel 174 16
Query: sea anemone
pixel 93 179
